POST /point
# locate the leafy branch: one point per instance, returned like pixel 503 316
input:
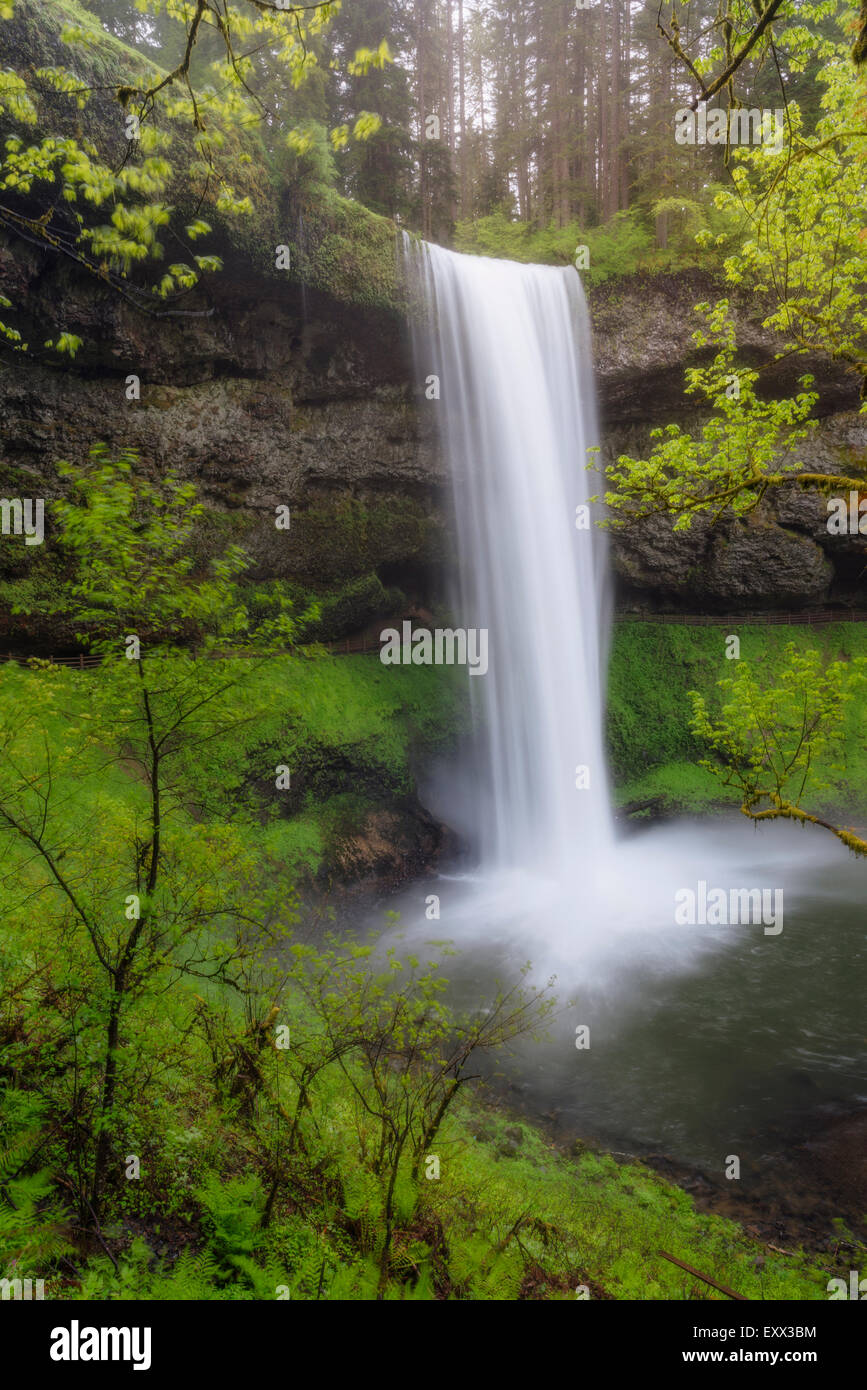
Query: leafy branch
pixel 771 733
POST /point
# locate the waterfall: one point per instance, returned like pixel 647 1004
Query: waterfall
pixel 503 367
pixel 660 1006
pixel 510 347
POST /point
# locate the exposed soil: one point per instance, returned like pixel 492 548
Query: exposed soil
pixel 811 1193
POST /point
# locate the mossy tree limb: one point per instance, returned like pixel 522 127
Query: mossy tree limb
pixel 774 730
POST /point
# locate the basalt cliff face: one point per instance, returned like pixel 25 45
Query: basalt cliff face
pixel 779 557
pixel 272 394
pixel 264 399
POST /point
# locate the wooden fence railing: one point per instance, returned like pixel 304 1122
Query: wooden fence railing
pixel 80 662
pixel 814 617
pixel 367 644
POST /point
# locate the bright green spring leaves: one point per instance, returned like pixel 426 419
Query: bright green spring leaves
pixel 775 731
pixel 186 137
pixel 802 211
pixel 743 448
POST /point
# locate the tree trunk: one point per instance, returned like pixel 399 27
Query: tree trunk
pixel 625 99
pixel 424 191
pixel 109 1091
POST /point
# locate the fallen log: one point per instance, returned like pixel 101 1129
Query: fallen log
pixel 705 1278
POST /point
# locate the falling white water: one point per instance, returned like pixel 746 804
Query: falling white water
pixel 702 1035
pixel 510 345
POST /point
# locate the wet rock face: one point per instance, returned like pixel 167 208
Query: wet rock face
pixel 392 845
pixel 270 396
pixel 250 445
pixel 782 556
pixel 642 342
pixel 743 565
pixel 263 398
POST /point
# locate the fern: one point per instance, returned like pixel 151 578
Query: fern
pixel 31 1237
